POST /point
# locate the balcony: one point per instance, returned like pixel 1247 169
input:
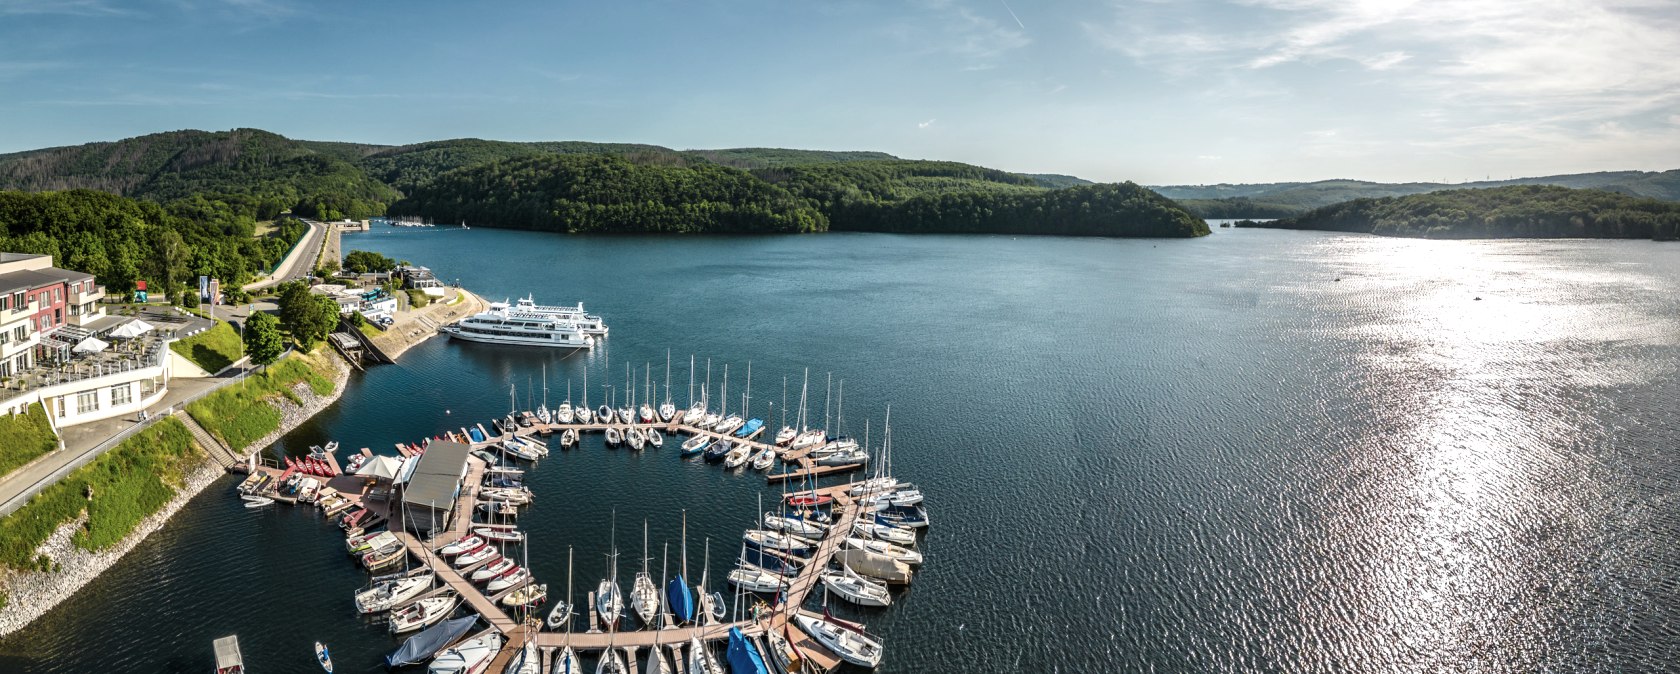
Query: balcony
pixel 18 313
pixel 95 294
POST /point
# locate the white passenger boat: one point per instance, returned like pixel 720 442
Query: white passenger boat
pixel 589 323
pixel 502 324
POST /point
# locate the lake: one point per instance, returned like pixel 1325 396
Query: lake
pixel 1254 451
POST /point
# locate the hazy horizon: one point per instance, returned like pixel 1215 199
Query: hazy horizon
pixel 1156 93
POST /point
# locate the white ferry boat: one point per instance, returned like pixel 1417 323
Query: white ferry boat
pixel 505 325
pixel 589 323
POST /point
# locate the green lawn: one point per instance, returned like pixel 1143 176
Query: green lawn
pixel 23 437
pixel 239 414
pixel 212 349
pixel 129 483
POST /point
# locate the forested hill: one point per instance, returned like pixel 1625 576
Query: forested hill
pixel 1518 211
pixel 251 169
pixel 1278 200
pixel 409 166
pixel 604 193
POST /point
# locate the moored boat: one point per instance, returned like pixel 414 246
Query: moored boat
pixel 852 646
pixel 422 613
pixel 468 657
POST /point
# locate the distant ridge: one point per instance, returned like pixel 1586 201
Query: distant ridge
pixel 1285 199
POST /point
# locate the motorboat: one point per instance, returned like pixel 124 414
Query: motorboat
pixel 423 613
pixel 852 646
pixel 855 588
pixel 468 657
pixel 323 658
pixel 786 435
pixel 257 501
pixel 559 615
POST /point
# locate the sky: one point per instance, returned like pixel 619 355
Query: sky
pixel 1153 91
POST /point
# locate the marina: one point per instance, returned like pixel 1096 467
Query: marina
pixel 368 498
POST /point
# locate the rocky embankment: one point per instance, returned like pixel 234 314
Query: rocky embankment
pixel 30 594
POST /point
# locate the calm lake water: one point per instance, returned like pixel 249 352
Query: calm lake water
pixel 1256 451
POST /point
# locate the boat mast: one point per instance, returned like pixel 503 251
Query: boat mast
pixel 664 567
pixel 723 392
pixel 685 543
pixel 706 393
pixel 667 376
pixel 746 398
pixel 513 399
pixel 784 401
pixel 803 387
pixel 545 386
pixel 570 607
pixel 840 410
pixel 826 397
pixel 691 380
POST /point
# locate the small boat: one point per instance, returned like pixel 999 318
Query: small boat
pixel 637 439
pixel 519 451
pixel 468 657
pixel 583 415
pixel 609 602
pixel 257 501
pixel 884 532
pixel 807 498
pixel 797 526
pixel 626 416
pixel 487 457
pixel 564 413
pixel 695 445
pixel 879 567
pixel 737 456
pixel 499 532
pixel 757 579
pixel 569 438
pixel 611 663
pixel 559 615
pixel 852 646
pixel 786 435
pixel 527 419
pixel 476 435
pixel 423 613
pixel 914 517
pixel 514 495
pixel 752 426
pixel 808 438
pixel 667 412
pixel 764 460
pixel 530 595
pixel 730 423
pixel 700 659
pixel 744 657
pixel 655 438
pixel 904 497
pixel 694 414
pixel 884 548
pixel 718 450
pixel 464 545
pixel 615 437
pixel 518 576
pixel 780 542
pixel 604 414
pixel 645 413
pixel 708 421
pixel 502 508
pixel 323 657
pixel 855 588
pixel 473 557
pixel 383 595
pixel 567 662
pixel 874 484
pixel 492 570
pixel 783 653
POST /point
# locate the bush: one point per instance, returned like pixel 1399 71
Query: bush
pixel 418 299
pixel 130 483
pixel 212 349
pixel 240 414
pixel 25 436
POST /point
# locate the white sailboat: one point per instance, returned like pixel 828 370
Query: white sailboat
pixel 667 411
pixel 644 596
pixel 854 647
pixel 469 657
pixel 855 588
pixel 561 614
pixel 701 660
pixel 609 602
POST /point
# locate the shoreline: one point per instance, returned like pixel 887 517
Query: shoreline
pixel 31 594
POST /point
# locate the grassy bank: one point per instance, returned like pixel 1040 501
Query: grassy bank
pixel 128 484
pixel 240 414
pixel 212 349
pixel 25 436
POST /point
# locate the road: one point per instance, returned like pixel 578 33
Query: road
pixel 298 263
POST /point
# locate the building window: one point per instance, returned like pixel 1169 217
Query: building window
pixel 55 295
pixel 147 387
pixel 87 401
pixel 18 301
pixel 122 394
pixel 5 302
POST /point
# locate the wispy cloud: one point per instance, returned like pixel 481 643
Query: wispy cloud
pixel 926 124
pixel 959 30
pixel 88 8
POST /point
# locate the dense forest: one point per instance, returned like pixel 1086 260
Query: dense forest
pixel 121 240
pixel 604 193
pixel 1518 211
pixel 254 172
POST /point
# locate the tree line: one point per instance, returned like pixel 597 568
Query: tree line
pixel 1518 211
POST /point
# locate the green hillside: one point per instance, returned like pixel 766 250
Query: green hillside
pixel 248 168
pixel 1516 211
pixel 1270 200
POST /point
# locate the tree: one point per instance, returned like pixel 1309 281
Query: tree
pixel 262 338
pixel 362 262
pixel 306 315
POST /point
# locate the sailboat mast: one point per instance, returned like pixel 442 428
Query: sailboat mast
pixel 804 386
pixel 691 380
pixel 723 392
pixel 706 393
pixel 827 423
pixel 685 544
pixel 569 591
pixel 784 401
pixel 667 376
pixel 746 399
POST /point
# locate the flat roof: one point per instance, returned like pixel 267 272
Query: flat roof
pixel 14 257
pixel 438 476
pixel 29 279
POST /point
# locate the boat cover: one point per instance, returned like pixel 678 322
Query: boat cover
pixel 743 656
pixel 421 647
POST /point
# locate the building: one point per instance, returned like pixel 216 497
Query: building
pixel 37 300
pixel 429 494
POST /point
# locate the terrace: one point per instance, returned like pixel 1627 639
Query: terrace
pixel 61 362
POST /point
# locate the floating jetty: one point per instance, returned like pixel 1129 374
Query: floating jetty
pixel 344 492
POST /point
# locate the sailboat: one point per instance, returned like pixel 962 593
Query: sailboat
pixel 852 646
pixel 644 595
pixel 468 657
pixel 646 410
pixel 527 661
pixel 711 604
pixel 667 411
pixel 562 612
pixel 563 414
pixel 611 663
pixel 582 412
pixel 677 594
pixel 655 438
pixel 609 603
pixel 700 660
pixel 743 655
pixel 656 663
pixel 855 588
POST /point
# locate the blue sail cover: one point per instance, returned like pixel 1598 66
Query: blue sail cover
pixel 750 428
pixel 743 655
pixel 681 599
pixel 421 647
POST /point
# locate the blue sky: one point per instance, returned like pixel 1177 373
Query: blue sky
pixel 1158 92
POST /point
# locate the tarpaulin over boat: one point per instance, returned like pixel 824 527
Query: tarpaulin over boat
pixel 421 647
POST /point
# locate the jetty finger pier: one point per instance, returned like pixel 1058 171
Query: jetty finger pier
pixel 429 496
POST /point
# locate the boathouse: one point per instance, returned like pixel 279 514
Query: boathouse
pixel 429 496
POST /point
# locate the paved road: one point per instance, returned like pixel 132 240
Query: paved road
pixel 300 262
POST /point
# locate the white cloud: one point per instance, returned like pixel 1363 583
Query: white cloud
pixel 945 26
pixel 926 124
